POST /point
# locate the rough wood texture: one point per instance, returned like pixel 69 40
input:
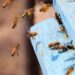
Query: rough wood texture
pixel 26 62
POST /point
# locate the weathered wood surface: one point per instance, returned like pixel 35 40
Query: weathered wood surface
pixel 25 63
pixel 52 62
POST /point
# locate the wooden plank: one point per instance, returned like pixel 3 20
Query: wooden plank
pixel 51 62
pixel 66 9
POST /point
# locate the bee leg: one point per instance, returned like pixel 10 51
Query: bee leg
pixel 13 26
pixel 71 42
pixel 66 34
pixel 61 32
pixel 60 51
pixel 24 14
pixel 53 48
pixel 40 10
pixel 63 50
pixel 12 54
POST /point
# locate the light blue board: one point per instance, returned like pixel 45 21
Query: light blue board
pixel 66 9
pixel 51 62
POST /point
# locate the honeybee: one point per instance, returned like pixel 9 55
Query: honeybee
pixel 45 8
pixel 58 18
pixel 28 12
pixel 62 28
pixel 15 50
pixel 54 44
pixel 15 22
pixel 70 71
pixel 31 34
pixel 7 3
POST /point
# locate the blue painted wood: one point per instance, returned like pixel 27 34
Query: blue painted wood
pixel 66 9
pixel 51 62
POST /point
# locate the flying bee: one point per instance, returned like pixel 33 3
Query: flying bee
pixel 54 44
pixel 70 71
pixel 15 22
pixel 31 34
pixel 7 3
pixel 15 50
pixel 28 12
pixel 45 8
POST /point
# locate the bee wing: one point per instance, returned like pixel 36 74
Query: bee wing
pixel 30 13
pixel 13 52
pixel 4 5
pixel 24 14
pixel 14 26
pixel 44 9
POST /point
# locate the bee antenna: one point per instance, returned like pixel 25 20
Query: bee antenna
pixel 70 42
